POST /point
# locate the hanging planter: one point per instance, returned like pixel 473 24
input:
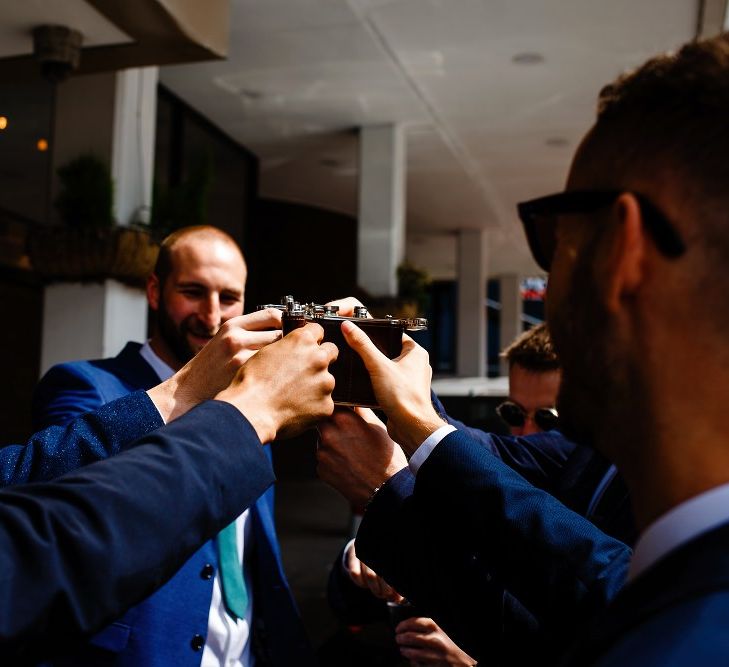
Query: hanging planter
pixel 62 254
pixel 88 247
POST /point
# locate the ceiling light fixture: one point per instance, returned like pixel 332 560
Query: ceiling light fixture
pixel 58 49
pixel 528 58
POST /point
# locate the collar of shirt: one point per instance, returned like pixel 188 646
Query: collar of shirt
pixel 163 371
pixel 679 525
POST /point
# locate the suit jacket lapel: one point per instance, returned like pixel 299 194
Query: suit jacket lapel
pixel 693 570
pixel 131 367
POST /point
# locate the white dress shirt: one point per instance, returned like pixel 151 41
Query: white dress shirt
pixel 678 526
pixel 429 444
pixel 227 643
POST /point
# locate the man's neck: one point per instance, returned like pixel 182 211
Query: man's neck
pixel 163 351
pixel 673 469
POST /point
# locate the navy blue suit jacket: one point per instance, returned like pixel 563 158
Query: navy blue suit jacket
pixel 673 615
pixel 78 551
pixel 469 522
pixel 159 631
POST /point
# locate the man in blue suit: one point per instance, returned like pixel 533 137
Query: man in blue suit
pixel 637 250
pixel 202 616
pixel 79 550
pixel 506 630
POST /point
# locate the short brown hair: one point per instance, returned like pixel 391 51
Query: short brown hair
pixel 533 351
pixel 662 129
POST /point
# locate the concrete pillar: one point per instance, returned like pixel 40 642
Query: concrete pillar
pixel 89 321
pixel 472 276
pixel 713 18
pixel 113 116
pixel 511 310
pixel 132 160
pixel 381 226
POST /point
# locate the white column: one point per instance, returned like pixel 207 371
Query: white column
pixel 89 321
pixel 713 18
pixel 511 309
pixel 472 276
pixel 113 116
pixel 132 163
pixel 381 225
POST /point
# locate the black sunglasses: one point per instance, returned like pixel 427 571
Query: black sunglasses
pixel 514 415
pixel 539 217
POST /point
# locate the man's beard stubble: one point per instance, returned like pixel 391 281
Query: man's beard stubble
pixel 176 336
pixel 597 393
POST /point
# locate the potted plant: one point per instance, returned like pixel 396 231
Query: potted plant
pixel 88 246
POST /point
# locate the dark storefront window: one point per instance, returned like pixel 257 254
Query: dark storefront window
pixel 201 174
pixel 25 149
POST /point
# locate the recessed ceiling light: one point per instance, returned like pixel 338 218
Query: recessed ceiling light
pixel 556 142
pixel 250 95
pixel 528 58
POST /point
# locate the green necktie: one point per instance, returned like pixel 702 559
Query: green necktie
pixel 231 573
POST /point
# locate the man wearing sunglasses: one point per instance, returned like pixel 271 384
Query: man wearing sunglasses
pixel 638 250
pixel 534 376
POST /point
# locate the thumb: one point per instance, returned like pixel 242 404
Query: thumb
pixel 360 342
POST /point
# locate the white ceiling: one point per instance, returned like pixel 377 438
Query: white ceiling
pixel 19 17
pixel 483 131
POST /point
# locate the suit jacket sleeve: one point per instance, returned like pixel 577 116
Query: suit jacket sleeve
pixel 77 552
pixel 65 392
pixel 539 458
pixel 471 518
pixel 91 437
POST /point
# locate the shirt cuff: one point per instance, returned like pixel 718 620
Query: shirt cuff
pixel 344 555
pixel 423 452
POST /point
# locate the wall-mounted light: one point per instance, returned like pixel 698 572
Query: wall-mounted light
pixel 3 122
pixel 58 49
pixel 42 145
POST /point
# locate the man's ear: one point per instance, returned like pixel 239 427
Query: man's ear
pixel 153 292
pixel 625 262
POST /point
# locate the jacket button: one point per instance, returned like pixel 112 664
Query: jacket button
pixel 207 571
pixel 197 642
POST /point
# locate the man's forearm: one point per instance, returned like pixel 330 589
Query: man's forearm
pixel 92 437
pixel 77 552
pixel 469 510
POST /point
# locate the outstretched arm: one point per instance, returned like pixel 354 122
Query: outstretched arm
pixel 470 518
pixel 77 552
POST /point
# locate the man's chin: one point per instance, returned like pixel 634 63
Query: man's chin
pixel 197 343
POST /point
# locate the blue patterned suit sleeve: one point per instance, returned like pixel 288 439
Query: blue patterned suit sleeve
pixel 75 553
pixel 91 437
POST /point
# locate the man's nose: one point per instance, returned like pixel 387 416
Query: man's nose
pixel 209 313
pixel 530 426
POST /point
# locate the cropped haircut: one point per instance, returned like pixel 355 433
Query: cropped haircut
pixel 664 129
pixel 163 266
pixel 533 351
